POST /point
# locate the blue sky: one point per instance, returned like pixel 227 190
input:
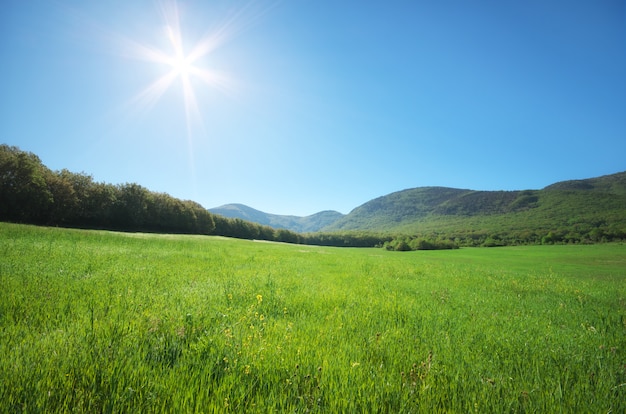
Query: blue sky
pixel 298 106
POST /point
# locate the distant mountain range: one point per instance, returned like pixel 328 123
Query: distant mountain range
pixel 298 224
pixel 576 211
pixel 567 205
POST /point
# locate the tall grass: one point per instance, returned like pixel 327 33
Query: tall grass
pixel 109 322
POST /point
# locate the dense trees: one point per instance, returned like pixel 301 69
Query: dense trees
pixel 402 244
pixel 346 239
pixel 23 188
pixel 32 193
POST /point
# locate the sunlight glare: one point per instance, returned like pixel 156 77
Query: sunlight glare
pixel 180 63
pixel 184 64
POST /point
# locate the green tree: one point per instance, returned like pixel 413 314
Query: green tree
pixel 131 207
pixel 23 189
pixel 64 208
pixel 285 236
pixel 98 207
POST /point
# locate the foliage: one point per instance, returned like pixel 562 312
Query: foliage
pixel 558 214
pixel 23 188
pixel 32 193
pixel 582 211
pixel 614 184
pixel 95 321
pixel 403 244
pixel 345 239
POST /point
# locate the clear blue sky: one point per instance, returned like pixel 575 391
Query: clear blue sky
pixel 307 105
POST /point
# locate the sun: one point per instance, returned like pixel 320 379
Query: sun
pixel 183 61
pixel 181 64
pixel 182 67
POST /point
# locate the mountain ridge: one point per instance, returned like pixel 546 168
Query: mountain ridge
pixel 610 183
pixel 575 211
pixel 299 224
pixel 571 204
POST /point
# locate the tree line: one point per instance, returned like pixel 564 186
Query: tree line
pixel 32 193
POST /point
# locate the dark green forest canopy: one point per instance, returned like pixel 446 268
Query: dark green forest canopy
pixel 32 193
pixel 578 211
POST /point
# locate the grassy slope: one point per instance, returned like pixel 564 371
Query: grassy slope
pixel 555 210
pixel 570 206
pixel 97 321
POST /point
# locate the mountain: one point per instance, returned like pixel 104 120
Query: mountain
pixel 568 207
pixel 613 184
pixel 574 211
pixel 307 224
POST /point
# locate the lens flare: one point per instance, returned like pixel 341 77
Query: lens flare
pixel 183 67
pixel 182 61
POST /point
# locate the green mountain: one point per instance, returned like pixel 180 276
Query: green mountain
pixel 575 211
pixel 307 224
pixel 569 210
pixel 613 184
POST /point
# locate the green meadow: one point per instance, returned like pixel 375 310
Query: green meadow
pixel 96 321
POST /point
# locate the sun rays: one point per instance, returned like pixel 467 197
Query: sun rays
pixel 181 66
pixel 173 70
pixel 180 62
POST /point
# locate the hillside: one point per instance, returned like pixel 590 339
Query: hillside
pixel 575 211
pixel 306 224
pixel 613 184
pixel 569 209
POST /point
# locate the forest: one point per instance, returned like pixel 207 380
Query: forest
pixel 31 193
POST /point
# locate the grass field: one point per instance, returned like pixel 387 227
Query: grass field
pixel 109 322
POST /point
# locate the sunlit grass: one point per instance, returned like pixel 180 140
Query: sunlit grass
pixel 99 321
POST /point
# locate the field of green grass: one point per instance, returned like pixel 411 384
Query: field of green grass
pixel 110 322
